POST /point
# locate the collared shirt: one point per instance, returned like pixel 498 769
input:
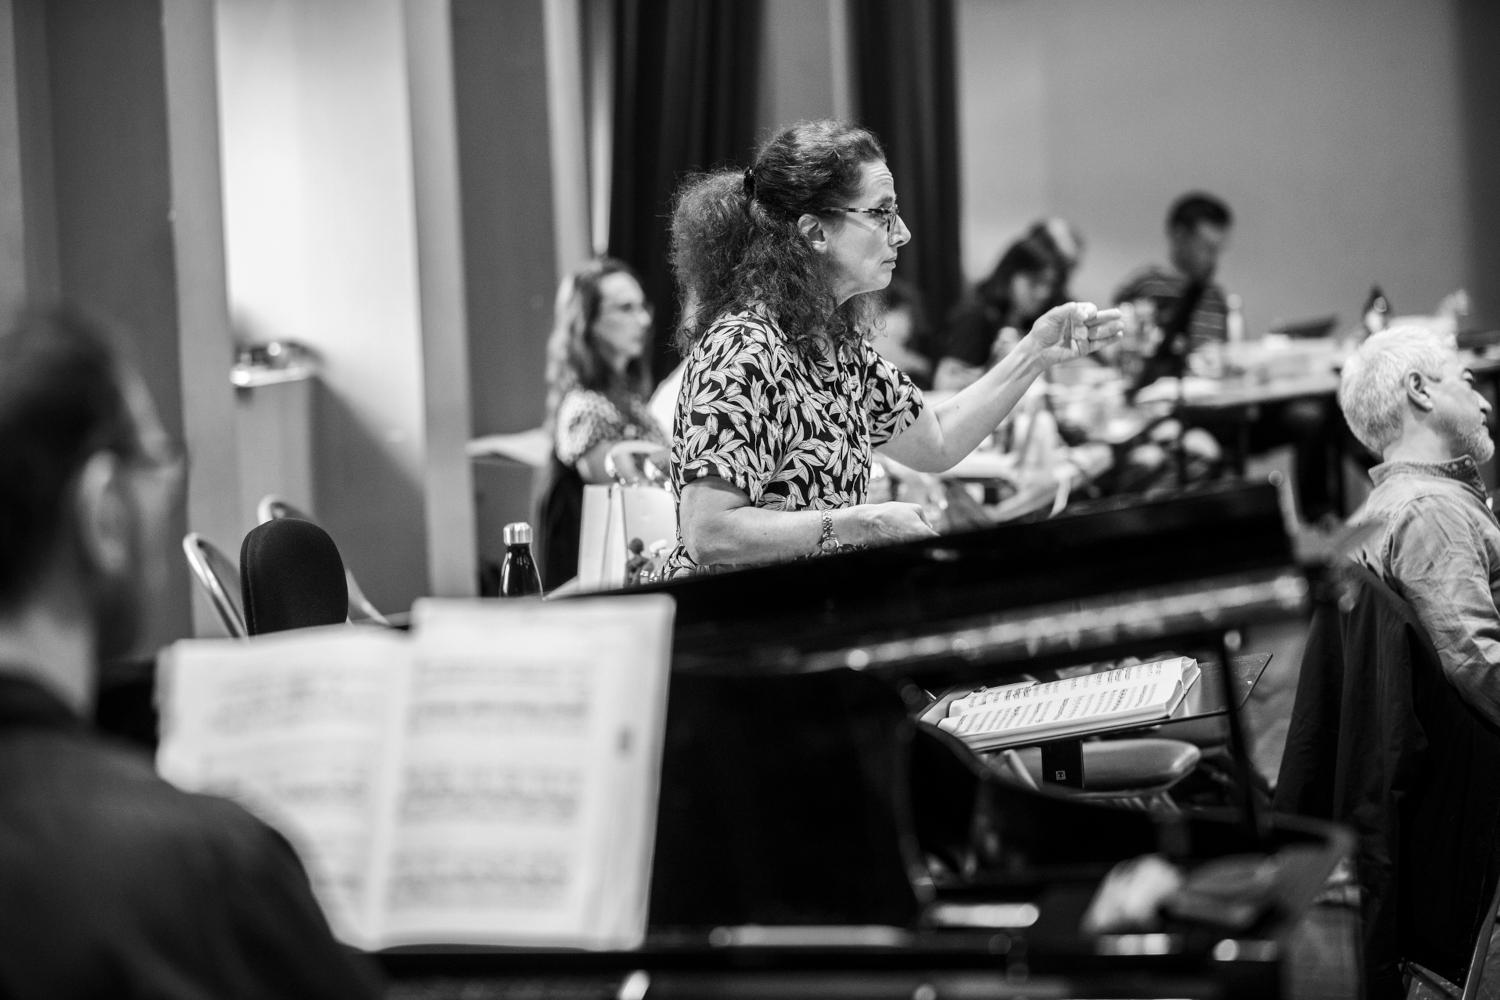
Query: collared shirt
pixel 1164 286
pixel 1439 548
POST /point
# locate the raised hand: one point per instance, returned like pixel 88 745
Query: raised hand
pixel 1073 330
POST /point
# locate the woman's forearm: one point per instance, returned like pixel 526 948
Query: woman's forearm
pixel 951 429
pixel 720 527
pixel 753 535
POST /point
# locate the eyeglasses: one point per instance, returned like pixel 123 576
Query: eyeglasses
pixel 887 214
pixel 641 308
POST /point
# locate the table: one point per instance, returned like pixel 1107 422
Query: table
pixel 529 448
pixel 1238 401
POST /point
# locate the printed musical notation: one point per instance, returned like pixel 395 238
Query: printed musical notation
pixel 526 880
pixel 488 778
pixel 438 793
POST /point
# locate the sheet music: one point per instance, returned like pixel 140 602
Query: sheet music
pixel 1139 692
pixel 525 808
pixel 491 779
pixel 294 727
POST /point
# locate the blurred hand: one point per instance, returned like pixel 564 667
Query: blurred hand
pixel 1073 330
pixel 1455 304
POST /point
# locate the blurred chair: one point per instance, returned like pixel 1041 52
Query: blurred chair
pixel 292 576
pixel 1131 773
pixel 273 507
pixel 1379 739
pixel 557 511
pixel 219 577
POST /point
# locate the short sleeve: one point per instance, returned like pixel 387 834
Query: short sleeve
pixel 895 401
pixel 585 419
pixel 731 408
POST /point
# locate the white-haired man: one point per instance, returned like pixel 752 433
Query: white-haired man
pixel 1408 398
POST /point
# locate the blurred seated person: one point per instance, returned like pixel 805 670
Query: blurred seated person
pixel 1066 243
pixel 115 883
pixel 598 381
pixel 903 336
pixel 1188 310
pixel 1408 398
pixel 1183 296
pixel 992 318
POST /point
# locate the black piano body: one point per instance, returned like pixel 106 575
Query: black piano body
pixel 803 813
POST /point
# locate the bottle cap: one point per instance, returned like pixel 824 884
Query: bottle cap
pixel 517 533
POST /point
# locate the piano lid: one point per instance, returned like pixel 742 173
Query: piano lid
pixel 1225 534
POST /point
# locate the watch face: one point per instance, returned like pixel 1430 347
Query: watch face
pixel 830 545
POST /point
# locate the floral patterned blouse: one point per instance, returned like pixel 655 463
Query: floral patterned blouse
pixel 793 432
pixel 587 417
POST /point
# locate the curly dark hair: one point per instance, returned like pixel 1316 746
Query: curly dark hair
pixel 573 357
pixel 735 240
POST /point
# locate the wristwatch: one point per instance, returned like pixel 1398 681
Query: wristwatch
pixel 829 542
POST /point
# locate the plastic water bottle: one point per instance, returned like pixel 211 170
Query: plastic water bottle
pixel 518 573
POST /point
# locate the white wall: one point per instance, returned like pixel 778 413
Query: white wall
pixel 322 242
pixel 1333 130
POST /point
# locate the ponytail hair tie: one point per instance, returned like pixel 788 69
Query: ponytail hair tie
pixel 749 182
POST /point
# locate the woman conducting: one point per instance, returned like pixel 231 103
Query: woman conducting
pixel 783 398
pixel 597 383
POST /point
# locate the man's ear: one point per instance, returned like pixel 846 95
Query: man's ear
pixel 1416 391
pixel 101 517
pixel 812 230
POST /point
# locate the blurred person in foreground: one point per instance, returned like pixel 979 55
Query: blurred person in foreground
pixel 114 882
pixel 1408 398
pixel 991 319
pixel 1190 309
pixel 783 397
pixel 598 383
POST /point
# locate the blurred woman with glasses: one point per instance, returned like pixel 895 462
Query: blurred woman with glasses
pixel 598 379
pixel 783 396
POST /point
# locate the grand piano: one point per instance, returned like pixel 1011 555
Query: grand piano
pixel 814 840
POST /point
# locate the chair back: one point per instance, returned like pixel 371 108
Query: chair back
pixel 292 577
pixel 219 578
pixel 1380 739
pixel 273 507
pixel 557 513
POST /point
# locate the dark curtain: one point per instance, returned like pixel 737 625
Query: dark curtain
pixel 905 92
pixel 685 86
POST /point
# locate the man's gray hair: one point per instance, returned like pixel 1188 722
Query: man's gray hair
pixel 1372 390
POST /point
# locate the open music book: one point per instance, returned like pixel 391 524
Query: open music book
pixel 490 778
pixel 990 718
